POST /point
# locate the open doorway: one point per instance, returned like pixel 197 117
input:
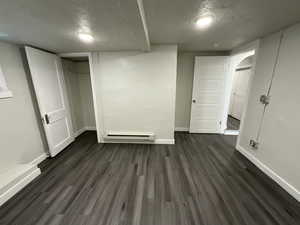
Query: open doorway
pixel 79 89
pixel 238 97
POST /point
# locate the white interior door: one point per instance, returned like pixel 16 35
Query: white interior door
pixel 49 85
pixel 239 92
pixel 208 94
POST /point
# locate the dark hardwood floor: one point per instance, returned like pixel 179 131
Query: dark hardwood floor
pixel 200 180
pixel 233 123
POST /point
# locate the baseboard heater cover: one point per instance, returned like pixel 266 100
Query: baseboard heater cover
pixel 130 136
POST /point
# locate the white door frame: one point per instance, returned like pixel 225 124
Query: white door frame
pixel 97 104
pixel 235 59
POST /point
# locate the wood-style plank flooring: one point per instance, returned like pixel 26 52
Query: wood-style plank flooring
pixel 233 123
pixel 200 180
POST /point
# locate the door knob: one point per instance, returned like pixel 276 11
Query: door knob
pixel 194 101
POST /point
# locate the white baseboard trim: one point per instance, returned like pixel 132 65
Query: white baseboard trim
pixel 164 141
pixel 269 172
pixel 39 159
pixel 156 141
pixel 81 130
pixel 19 185
pixel 78 132
pixel 182 129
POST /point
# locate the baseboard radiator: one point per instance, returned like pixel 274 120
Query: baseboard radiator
pixel 130 136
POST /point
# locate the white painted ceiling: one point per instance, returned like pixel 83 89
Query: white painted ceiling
pixel 54 24
pixel 237 21
pixel 117 24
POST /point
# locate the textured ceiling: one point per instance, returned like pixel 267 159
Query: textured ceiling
pixel 236 21
pixel 54 24
pixel 117 25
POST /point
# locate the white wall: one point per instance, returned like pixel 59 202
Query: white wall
pixel 135 91
pixel 277 127
pixel 78 83
pixel 20 137
pixel 184 86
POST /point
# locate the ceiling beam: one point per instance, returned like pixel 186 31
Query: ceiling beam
pixel 143 18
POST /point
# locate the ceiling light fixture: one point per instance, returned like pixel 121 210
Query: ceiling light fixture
pixel 86 37
pixel 204 21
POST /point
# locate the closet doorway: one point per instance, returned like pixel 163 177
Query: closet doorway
pixel 77 72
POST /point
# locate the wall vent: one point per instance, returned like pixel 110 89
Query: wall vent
pixel 129 136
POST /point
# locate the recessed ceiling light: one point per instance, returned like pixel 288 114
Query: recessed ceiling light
pixel 86 37
pixel 204 21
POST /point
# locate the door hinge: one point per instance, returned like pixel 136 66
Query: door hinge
pixel 254 144
pixel 264 99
